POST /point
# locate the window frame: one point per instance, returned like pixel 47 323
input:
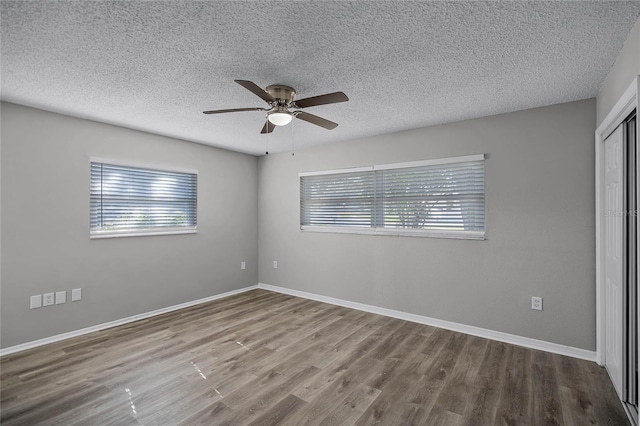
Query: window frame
pixel 430 233
pixel 142 232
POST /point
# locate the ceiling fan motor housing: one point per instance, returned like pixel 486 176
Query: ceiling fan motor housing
pixel 283 94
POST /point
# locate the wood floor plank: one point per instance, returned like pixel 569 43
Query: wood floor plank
pixel 54 405
pixel 440 416
pixel 400 394
pixel 273 380
pixel 210 415
pixel 247 405
pixel 601 400
pixel 264 358
pixel 513 408
pixel 352 407
pixel 287 407
pixel 331 397
pixel 361 331
pixel 487 389
pixel 394 341
pixel 455 396
pixel 546 396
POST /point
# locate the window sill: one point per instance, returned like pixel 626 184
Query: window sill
pixel 142 232
pixel 459 235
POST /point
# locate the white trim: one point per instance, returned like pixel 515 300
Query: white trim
pixel 433 162
pixel 126 163
pixel 97 234
pixel 405 165
pixel 618 113
pixel 115 323
pixel 448 325
pixel 337 171
pixel 430 233
pixel 630 415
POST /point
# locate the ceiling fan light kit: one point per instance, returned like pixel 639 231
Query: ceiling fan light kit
pixel 280 99
pixel 280 117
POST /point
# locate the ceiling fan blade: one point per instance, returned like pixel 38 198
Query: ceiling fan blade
pixel 255 89
pixel 268 127
pixel 329 98
pixel 220 111
pixel 314 119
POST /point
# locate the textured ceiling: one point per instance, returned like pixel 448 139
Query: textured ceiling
pixel 155 66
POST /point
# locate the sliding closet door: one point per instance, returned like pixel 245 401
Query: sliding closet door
pixel 614 207
pixel 631 279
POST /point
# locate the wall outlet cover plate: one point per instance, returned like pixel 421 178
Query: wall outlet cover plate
pixel 536 303
pixel 48 299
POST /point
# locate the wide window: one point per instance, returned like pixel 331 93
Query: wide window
pixel 439 198
pixel 131 200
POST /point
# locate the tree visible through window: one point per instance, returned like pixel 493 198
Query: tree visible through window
pixel 431 196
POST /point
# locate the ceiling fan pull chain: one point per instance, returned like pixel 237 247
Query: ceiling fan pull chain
pixel 292 140
pixel 266 152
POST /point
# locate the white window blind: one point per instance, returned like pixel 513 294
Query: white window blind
pixel 345 199
pixel 442 197
pixel 129 200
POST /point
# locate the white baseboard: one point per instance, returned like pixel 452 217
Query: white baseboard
pixel 87 330
pixel 461 328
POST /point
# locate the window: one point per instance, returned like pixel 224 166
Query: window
pixel 438 198
pixel 128 200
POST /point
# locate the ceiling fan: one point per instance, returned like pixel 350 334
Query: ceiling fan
pixel 281 99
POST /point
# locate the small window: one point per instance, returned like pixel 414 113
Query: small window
pixel 437 198
pixel 131 201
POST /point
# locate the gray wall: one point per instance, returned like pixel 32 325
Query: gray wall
pixel 45 226
pixel 626 67
pixel 540 227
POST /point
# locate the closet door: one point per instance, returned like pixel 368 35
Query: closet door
pixel 614 244
pixel 631 279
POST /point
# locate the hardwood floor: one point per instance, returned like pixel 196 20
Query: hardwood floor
pixel 263 358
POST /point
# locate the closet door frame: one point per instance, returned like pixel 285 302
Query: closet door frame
pixel 618 114
pixel 625 105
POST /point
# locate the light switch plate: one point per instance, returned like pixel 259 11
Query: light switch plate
pixel 61 297
pixel 76 294
pixel 243 265
pixel 36 301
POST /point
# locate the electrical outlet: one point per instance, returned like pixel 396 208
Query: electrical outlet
pixel 61 297
pixel 76 294
pixel 35 301
pixel 536 303
pixel 243 265
pixel 275 264
pixel 48 299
